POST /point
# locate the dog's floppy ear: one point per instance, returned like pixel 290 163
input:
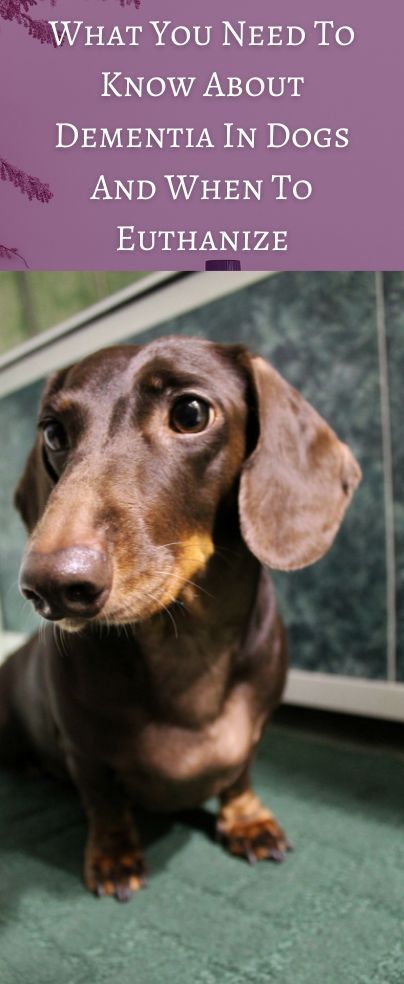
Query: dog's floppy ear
pixel 33 488
pixel 35 485
pixel 298 481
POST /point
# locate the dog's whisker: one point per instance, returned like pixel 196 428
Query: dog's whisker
pixel 164 607
pixel 25 606
pixel 173 543
pixel 12 588
pixel 185 580
pixel 58 640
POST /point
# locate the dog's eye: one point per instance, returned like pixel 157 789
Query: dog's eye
pixel 190 415
pixel 55 436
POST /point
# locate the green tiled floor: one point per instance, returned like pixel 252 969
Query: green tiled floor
pixel 333 913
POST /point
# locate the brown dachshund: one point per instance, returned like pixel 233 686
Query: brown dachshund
pixel 163 476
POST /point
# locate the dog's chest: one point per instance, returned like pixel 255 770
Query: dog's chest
pixel 172 739
pixel 166 765
pixel 187 725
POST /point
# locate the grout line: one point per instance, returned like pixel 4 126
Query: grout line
pixel 388 473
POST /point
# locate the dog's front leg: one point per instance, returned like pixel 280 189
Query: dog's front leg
pixel 246 828
pixel 113 860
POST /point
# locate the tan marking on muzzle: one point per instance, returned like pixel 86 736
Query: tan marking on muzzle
pixel 195 553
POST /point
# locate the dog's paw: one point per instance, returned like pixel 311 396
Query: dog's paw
pixel 247 830
pixel 260 840
pixel 116 873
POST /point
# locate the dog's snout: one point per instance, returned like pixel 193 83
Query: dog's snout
pixel 74 581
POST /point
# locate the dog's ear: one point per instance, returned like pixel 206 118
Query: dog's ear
pixel 35 484
pixel 33 489
pixel 298 481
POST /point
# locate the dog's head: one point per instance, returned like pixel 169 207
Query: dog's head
pixel 138 448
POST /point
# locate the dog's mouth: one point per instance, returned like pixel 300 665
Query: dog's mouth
pixel 170 588
pixel 129 607
pixel 73 624
pixel 135 609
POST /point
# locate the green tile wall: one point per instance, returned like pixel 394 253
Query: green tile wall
pixel 17 426
pixel 394 304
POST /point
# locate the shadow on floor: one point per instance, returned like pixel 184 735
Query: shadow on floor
pixel 41 821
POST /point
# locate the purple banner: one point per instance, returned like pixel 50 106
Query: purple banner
pixel 165 136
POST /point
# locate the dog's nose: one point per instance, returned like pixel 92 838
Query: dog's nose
pixel 74 581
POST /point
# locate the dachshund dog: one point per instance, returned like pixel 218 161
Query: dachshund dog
pixel 162 478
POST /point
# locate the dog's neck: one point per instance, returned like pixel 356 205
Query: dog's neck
pixel 191 651
pixel 220 595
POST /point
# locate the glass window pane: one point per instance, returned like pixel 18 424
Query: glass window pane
pixel 33 301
